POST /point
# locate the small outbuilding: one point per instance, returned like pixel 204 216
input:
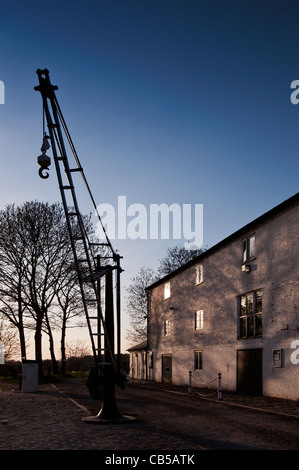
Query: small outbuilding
pixel 139 361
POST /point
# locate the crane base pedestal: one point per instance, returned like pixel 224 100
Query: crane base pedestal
pixel 109 413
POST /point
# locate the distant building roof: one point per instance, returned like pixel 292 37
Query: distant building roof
pixel 139 347
pixel 271 214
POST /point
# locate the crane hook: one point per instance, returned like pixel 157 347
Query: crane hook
pixel 44 160
pixel 40 172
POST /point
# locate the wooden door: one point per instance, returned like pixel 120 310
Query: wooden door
pixel 249 371
pixel 166 368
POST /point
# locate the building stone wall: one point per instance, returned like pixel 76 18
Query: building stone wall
pixel 274 270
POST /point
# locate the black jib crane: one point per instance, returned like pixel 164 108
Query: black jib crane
pixel 91 267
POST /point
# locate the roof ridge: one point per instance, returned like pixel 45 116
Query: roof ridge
pixel 260 220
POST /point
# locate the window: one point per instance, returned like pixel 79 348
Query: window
pixel 248 248
pixel 250 315
pixel 199 319
pixel 167 290
pixel 166 328
pixel 197 360
pixel 198 274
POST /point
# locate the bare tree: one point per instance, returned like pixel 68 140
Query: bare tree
pixel 38 279
pixel 176 257
pixel 12 268
pixel 69 302
pixel 137 304
pixel 34 249
pixel 137 298
pixel 11 306
pixel 68 298
pixel 9 338
pixel 76 352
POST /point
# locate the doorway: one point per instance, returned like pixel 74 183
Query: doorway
pixel 249 371
pixel 166 368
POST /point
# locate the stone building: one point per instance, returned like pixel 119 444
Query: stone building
pixel 233 310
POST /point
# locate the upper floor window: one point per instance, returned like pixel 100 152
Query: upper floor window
pixel 248 248
pixel 166 327
pixel 197 360
pixel 199 319
pixel 198 274
pixel 166 290
pixel 250 314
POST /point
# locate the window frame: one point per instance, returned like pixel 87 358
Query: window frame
pixel 167 292
pixel 198 274
pixel 250 315
pixel 198 359
pixel 167 327
pixel 198 320
pixel 247 254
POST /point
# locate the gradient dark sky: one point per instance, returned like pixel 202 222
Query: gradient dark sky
pixel 167 102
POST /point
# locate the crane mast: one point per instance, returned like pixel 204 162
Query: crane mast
pixel 91 267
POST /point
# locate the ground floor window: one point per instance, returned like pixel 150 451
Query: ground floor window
pixel 197 360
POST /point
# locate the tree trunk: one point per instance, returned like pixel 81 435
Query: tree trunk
pixel 51 347
pixel 62 346
pixel 20 323
pixel 22 341
pixel 38 345
pixel 52 353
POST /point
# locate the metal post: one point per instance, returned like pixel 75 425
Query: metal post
pixel 118 271
pixel 99 332
pixel 219 391
pixel 109 412
pixel 190 378
pixel 109 409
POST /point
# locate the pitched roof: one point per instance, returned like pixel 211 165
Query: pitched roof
pixel 261 220
pixel 139 347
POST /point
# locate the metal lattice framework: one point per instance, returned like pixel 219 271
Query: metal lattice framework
pixel 89 268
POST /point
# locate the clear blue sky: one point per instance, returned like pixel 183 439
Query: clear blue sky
pixel 167 101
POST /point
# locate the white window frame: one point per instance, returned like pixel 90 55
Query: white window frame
pixel 198 274
pixel 166 290
pixel 166 327
pixel 198 320
pixel 249 250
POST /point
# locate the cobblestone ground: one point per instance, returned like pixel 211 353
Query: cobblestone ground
pixel 169 419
